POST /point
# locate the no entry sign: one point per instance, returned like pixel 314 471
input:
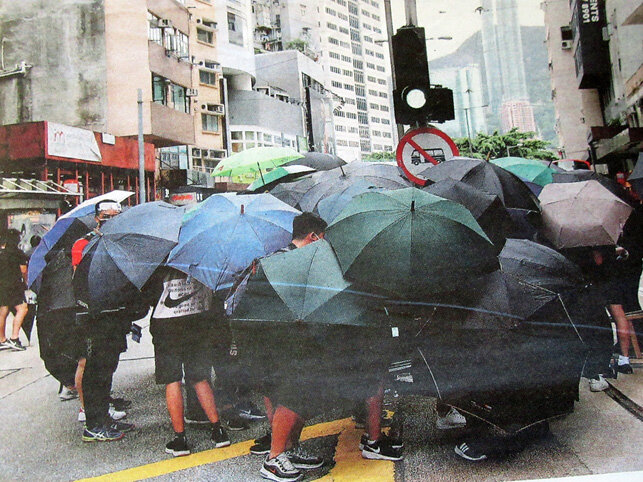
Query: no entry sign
pixel 421 148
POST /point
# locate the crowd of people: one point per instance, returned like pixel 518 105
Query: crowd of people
pixel 191 338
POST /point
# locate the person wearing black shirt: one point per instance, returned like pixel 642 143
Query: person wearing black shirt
pixel 13 266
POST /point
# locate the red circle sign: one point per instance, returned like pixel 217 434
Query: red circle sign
pixel 425 145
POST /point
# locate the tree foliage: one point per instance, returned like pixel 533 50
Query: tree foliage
pixel 513 143
pixel 380 156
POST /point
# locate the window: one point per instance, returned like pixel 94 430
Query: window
pixel 374 106
pixel 159 90
pixel 353 143
pixel 358 64
pixel 343 16
pixel 359 76
pixel 383 95
pixel 375 120
pixel 365 13
pixel 384 108
pixel 369 52
pixel 361 104
pixel 365 145
pixel 205 36
pixel 352 8
pixel 333 41
pixel 367 26
pixel 335 70
pixel 334 55
pixel 302 9
pixel 346 58
pixel 235 29
pixel 377 147
pixel 353 22
pixel 346 45
pixel 343 30
pixel 379 55
pixel 207 77
pixel 335 84
pixel 355 35
pixel 352 130
pixel 348 73
pixel 386 121
pixel 209 123
pixel 360 90
pixel 381 81
pixel 331 26
pixel 330 11
pixel 351 115
pixel 349 87
pixel 376 17
pixel 357 49
pixel 381 69
pixel 154 33
pixel 371 78
pixel 340 128
pixel 340 113
pixel 370 65
pixel 349 101
pixel 179 99
pixel 372 92
pixel 207 23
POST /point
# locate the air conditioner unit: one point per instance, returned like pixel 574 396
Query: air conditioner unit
pixel 196 152
pixel 567 44
pixel 214 108
pixel 164 23
pixel 191 92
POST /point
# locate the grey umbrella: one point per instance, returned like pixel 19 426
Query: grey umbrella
pixel 318 161
pixel 636 177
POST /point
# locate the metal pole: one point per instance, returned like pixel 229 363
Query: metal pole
pixel 389 35
pixel 466 114
pixel 411 12
pixel 141 150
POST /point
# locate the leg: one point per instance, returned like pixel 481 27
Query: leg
pixel 374 407
pixel 174 400
pixel 80 371
pixel 21 311
pixel 283 423
pixel 206 399
pixel 4 312
pixel 101 363
pixel 622 328
pixel 270 410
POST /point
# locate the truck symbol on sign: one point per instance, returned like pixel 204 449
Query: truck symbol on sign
pixel 437 154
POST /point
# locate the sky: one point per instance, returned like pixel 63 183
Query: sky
pixel 459 20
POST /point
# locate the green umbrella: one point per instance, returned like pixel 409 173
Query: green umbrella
pixel 530 170
pixel 409 242
pixel 255 159
pixel 280 174
pixel 303 285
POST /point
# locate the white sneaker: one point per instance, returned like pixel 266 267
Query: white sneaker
pixel 81 415
pixel 116 414
pixel 67 394
pixel 598 384
pixel 453 419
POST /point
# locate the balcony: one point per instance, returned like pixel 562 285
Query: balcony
pixel 169 127
pixel 178 71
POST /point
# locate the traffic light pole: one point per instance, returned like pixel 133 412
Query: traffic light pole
pixel 411 12
pixel 389 33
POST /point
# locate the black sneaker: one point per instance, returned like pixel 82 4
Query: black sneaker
pixel 237 424
pixel 394 442
pixel 465 451
pixel 219 436
pixel 178 447
pixel 120 404
pixel 626 369
pixel 380 450
pixel 300 459
pixel 101 434
pixel 250 411
pixel 262 445
pixel 121 426
pixel 360 421
pixel 16 345
pixel 279 469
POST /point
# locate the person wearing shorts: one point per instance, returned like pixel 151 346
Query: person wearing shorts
pixel 13 266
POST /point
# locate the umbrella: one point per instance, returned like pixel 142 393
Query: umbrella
pixel 409 242
pixel 486 208
pixel 227 232
pixel 587 175
pixel 330 207
pixel 486 176
pixel 530 169
pixel 292 192
pixel 582 214
pixel 255 159
pixel 87 207
pixel 329 182
pixel 304 285
pixel 278 175
pixel 636 177
pixel 117 263
pixel 318 161
pixel 533 187
pixel 539 265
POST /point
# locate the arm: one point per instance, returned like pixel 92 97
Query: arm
pixel 77 252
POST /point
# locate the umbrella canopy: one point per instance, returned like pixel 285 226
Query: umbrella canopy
pixel 636 177
pixel 303 285
pixel 539 265
pixel 319 161
pixel 529 169
pixel 409 242
pixel 87 207
pixel 329 182
pixel 330 207
pixel 486 208
pixel 582 214
pixel 292 192
pixel 278 175
pixel 227 232
pixel 117 263
pixel 587 175
pixel 255 159
pixel 486 176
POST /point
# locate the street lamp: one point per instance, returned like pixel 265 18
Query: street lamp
pixel 513 147
pixel 466 114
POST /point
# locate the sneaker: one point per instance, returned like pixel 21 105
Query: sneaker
pixel 178 447
pixel 598 384
pixel 250 412
pixel 237 424
pixel 120 404
pixel 101 434
pixel 262 445
pixel 5 345
pixel 380 450
pixel 116 414
pixel 626 369
pixel 16 345
pixel 465 451
pixel 121 426
pixel 360 421
pixel 67 393
pixel 300 459
pixel 394 442
pixel 453 419
pixel 279 469
pixel 81 415
pixel 219 436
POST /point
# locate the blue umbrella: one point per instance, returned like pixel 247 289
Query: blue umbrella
pixel 330 207
pixel 226 232
pixel 116 264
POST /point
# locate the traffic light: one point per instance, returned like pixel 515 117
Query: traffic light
pixel 414 99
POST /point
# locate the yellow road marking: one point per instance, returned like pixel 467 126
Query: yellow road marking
pixel 210 456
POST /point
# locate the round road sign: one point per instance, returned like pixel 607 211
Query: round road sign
pixel 420 148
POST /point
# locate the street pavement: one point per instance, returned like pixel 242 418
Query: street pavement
pixel 40 437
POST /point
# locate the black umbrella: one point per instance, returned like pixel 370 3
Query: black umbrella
pixel 486 208
pixel 381 175
pixel 580 175
pixel 636 177
pixel 292 192
pixel 539 265
pixel 318 161
pixel 487 177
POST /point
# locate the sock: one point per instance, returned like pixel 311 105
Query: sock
pixel 623 360
pixel 181 435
